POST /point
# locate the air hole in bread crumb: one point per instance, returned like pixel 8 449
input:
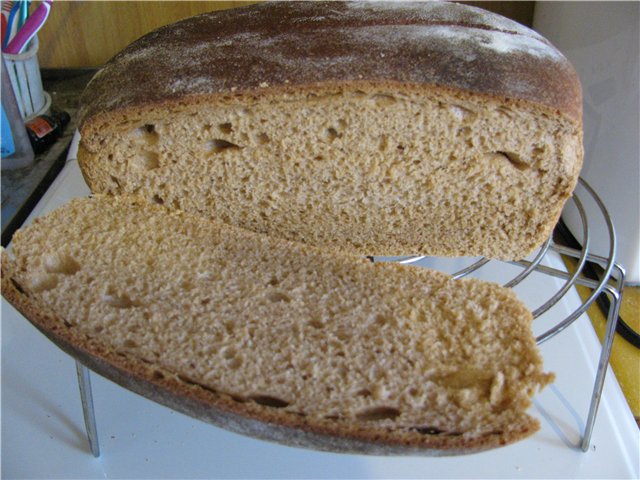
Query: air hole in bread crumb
pixel 507 112
pixel 113 299
pixel 128 343
pixel 538 150
pixel 269 401
pixel 459 112
pixel 235 363
pixel 219 145
pixel 463 132
pixel 343 334
pixel 331 134
pixel 276 297
pixel 61 263
pixel 157 199
pixel 225 127
pixel 263 138
pixel 383 100
pixel 428 430
pixel 363 392
pixel 378 413
pixel 380 320
pixel 316 323
pixel 383 143
pixel 42 283
pixel 149 160
pixel 158 375
pixel 115 180
pixel 187 380
pixel 515 160
pixel 148 134
pixel 274 281
pixel 229 353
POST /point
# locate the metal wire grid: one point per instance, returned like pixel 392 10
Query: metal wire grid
pixel 610 283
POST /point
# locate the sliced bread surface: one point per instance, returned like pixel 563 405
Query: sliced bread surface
pixel 380 128
pixel 276 339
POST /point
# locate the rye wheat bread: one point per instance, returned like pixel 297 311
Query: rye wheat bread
pixel 276 339
pixel 377 128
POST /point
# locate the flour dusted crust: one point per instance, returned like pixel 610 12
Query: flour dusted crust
pixel 377 128
pixel 285 46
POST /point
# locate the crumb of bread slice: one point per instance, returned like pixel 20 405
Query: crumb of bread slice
pixel 276 339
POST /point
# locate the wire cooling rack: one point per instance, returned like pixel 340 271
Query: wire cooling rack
pixel 610 283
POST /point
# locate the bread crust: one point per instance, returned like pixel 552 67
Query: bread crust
pixel 286 47
pixel 232 414
pixel 282 57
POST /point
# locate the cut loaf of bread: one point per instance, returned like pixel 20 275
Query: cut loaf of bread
pixel 377 128
pixel 275 339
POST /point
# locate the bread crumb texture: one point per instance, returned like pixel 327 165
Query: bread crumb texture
pixel 290 328
pixel 375 172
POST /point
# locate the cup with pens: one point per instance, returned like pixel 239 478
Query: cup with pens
pixel 20 54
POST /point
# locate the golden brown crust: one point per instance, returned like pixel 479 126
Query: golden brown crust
pixel 248 418
pixel 287 46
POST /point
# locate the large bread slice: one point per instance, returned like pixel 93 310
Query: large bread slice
pixel 275 339
pixel 379 128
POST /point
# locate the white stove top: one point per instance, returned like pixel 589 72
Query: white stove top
pixel 43 432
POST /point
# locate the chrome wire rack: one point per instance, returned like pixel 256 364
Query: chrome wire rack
pixel 610 283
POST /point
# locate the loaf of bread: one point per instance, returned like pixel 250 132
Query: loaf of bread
pixel 276 339
pixel 376 128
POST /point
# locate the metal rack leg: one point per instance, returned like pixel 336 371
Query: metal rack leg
pixel 607 343
pixel 84 382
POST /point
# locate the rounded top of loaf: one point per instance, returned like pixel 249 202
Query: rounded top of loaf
pixel 284 46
